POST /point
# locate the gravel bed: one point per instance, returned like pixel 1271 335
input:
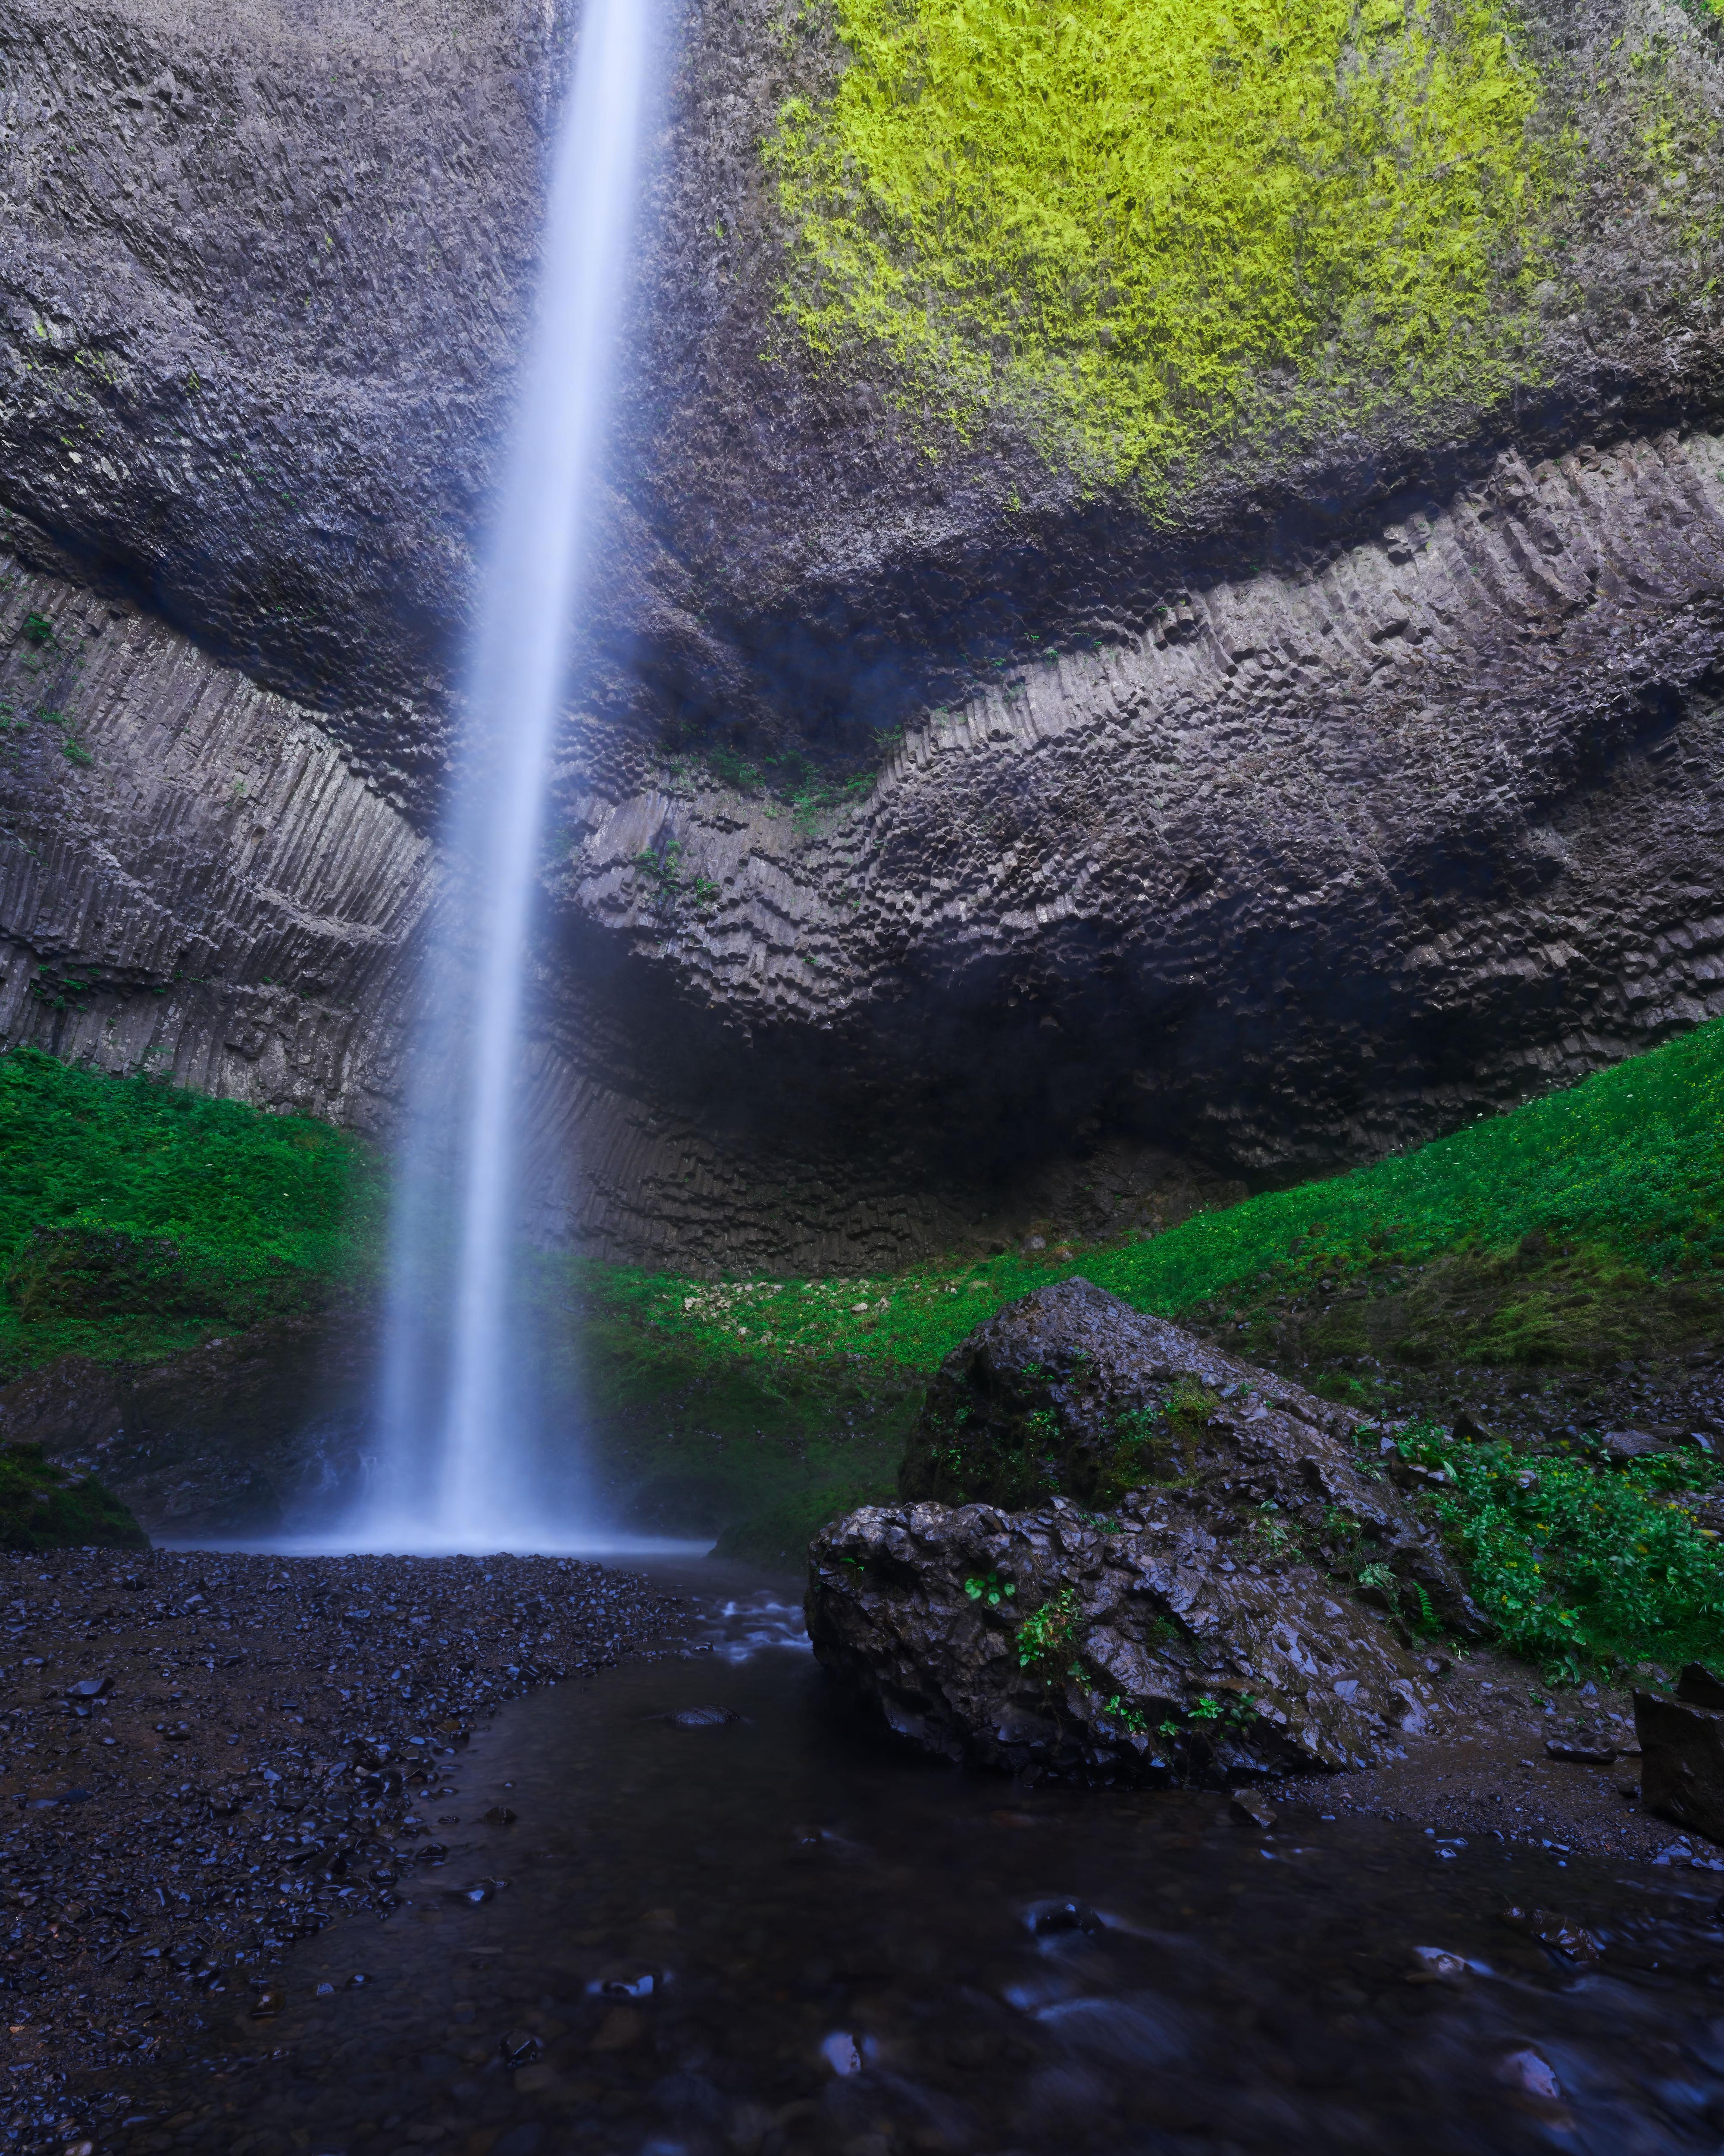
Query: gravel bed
pixel 1487 1769
pixel 204 1756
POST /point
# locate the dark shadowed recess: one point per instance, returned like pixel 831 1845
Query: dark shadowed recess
pixel 844 659
pixel 1233 1038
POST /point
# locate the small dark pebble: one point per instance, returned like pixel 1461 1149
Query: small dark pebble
pixel 1045 1916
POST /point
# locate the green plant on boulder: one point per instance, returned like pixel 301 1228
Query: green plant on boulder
pixel 1042 1434
pixel 1049 1638
pixel 42 1507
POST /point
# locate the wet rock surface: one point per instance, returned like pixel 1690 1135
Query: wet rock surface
pixel 254 1433
pixel 1508 1759
pixel 208 1756
pixel 1682 1771
pixel 1143 1647
pixel 1216 1620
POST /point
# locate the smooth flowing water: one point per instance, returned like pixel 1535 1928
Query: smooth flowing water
pixel 460 1464
pixel 756 1929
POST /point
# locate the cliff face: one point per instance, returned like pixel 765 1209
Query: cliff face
pixel 934 795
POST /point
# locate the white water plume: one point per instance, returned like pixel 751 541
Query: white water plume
pixel 461 1463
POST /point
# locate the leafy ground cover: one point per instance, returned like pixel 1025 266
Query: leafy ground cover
pixel 1560 1236
pixel 136 1217
pixel 1577 1561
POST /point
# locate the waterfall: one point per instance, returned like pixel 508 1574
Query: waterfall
pixel 459 1465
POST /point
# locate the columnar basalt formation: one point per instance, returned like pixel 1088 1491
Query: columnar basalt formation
pixel 928 805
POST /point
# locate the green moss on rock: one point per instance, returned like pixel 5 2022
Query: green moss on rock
pixel 42 1507
pixel 1130 222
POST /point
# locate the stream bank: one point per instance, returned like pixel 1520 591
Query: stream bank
pixel 208 1756
pixel 736 1920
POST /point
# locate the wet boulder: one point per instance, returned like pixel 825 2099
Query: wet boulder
pixel 1147 1645
pixel 1126 1553
pixel 1069 1391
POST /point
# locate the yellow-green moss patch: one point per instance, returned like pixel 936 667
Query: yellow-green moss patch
pixel 1127 220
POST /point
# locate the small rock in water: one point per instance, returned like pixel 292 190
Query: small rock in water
pixel 627 1980
pixel 840 2052
pixel 1252 1809
pixel 1045 1917
pixel 519 2047
pixel 1572 1941
pixel 500 1815
pixel 701 1717
pixel 1437 1965
pixel 266 2003
pixel 621 2029
pixel 1527 2071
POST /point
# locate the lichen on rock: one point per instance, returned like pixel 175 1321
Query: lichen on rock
pixel 1118 221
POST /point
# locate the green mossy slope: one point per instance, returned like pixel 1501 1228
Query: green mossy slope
pixel 135 1216
pixel 1609 1196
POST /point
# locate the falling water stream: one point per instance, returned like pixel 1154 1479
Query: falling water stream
pixel 460 1466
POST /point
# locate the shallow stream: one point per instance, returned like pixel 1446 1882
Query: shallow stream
pixel 774 1933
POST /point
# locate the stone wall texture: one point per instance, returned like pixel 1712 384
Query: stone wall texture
pixel 1369 789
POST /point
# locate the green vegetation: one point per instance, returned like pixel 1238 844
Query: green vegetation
pixel 1136 225
pixel 777 1536
pixel 135 1216
pixel 1050 1637
pixel 1576 1230
pixel 43 1508
pixel 1609 1194
pixel 1575 1560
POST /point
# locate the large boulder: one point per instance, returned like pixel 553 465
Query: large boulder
pixel 1153 1560
pixel 1144 1647
pixel 1068 1391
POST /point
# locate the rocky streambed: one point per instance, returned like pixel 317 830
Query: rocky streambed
pixel 208 1756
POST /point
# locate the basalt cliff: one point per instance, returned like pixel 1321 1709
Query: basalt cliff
pixel 945 786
